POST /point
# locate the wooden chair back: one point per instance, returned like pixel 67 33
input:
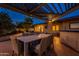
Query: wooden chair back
pixel 45 42
pixel 14 43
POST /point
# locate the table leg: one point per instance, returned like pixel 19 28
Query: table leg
pixel 26 49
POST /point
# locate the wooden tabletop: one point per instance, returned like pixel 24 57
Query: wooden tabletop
pixel 32 37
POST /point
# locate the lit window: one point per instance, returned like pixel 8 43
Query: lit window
pixel 53 28
pixel 57 27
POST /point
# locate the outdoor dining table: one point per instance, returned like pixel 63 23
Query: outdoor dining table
pixel 31 38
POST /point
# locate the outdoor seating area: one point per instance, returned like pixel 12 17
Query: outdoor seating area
pixel 39 29
pixel 20 44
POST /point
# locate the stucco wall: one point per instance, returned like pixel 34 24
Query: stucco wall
pixel 65 25
pixel 71 39
pixel 39 28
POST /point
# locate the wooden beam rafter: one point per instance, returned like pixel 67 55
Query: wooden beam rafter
pixel 36 8
pixel 41 15
pixel 70 10
pixel 70 5
pixel 55 8
pixel 17 10
pixel 60 8
pixel 52 12
pixel 65 4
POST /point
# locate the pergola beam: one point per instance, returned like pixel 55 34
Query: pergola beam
pixel 70 5
pixel 65 4
pixel 49 8
pixel 40 15
pixel 60 8
pixel 17 9
pixel 11 8
pixel 36 8
pixel 55 8
pixel 70 10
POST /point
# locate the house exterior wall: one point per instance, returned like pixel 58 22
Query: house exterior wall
pixel 55 27
pixel 39 28
pixel 71 39
pixel 65 25
pixel 68 35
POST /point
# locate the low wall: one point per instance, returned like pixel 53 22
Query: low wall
pixel 4 38
pixel 71 39
pixel 7 37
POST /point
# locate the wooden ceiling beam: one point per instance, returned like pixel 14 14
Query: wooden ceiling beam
pixel 11 8
pixel 50 9
pixel 17 10
pixel 45 14
pixel 60 8
pixel 70 10
pixel 65 6
pixel 55 8
pixel 36 8
pixel 70 5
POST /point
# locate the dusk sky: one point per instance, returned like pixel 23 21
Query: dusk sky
pixel 19 17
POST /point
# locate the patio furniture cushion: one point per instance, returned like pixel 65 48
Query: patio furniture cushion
pixel 44 44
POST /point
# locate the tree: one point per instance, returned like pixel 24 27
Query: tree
pixel 28 20
pixel 26 24
pixel 5 22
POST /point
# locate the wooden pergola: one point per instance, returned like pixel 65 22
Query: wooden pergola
pixel 42 10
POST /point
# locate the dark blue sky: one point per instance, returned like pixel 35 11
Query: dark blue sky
pixel 18 17
pixel 72 14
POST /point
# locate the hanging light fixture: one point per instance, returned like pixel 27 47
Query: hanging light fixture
pixel 53 18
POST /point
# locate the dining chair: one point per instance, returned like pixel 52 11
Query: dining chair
pixel 15 44
pixel 42 47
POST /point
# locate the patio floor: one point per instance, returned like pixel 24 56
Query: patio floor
pixel 59 49
pixel 62 50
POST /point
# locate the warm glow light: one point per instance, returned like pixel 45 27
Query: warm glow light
pixel 39 28
pixel 57 27
pixel 50 21
pixel 50 16
pixel 53 28
pixel 53 20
